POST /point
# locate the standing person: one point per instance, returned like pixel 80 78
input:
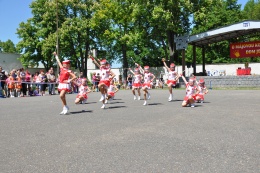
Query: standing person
pixel 106 76
pixel 97 81
pixel 18 84
pixel 94 81
pixel 203 90
pixel 36 79
pixel 24 85
pixel 148 79
pixel 129 81
pixel 11 83
pixel 137 85
pixel 28 77
pixel 3 77
pixel 172 78
pixel 64 81
pixel 191 92
pixel 83 91
pixel 51 80
pixel 43 78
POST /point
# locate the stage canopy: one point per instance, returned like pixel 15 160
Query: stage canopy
pixel 202 40
pixel 225 33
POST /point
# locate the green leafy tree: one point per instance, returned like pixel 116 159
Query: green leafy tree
pixel 7 47
pixel 215 15
pixel 39 34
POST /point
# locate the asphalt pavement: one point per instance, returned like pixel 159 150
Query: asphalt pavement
pixel 221 135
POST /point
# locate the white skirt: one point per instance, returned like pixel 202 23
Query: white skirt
pixel 64 86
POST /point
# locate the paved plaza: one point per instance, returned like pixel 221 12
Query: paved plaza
pixel 221 135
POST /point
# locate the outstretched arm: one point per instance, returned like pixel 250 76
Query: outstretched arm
pixel 177 77
pixel 57 59
pixel 94 61
pixel 140 68
pixel 112 74
pixel 131 71
pixel 165 65
pixel 184 79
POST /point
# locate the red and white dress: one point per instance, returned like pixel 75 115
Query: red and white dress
pixel 64 76
pixel 190 91
pixel 104 76
pixel 147 80
pixel 83 91
pixel 171 78
pixel 137 81
pixel 202 92
pixel 111 91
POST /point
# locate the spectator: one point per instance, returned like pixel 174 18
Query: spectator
pixel 3 77
pixel 36 79
pixel 129 81
pixel 43 78
pixel 93 81
pixel 24 85
pixel 97 81
pixel 51 80
pixel 11 83
pixel 28 77
pixel 73 84
pixel 18 85
pixel 36 92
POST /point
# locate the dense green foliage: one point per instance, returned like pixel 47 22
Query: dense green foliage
pixel 120 29
pixel 7 47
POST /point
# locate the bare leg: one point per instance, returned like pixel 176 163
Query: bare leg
pixel 63 97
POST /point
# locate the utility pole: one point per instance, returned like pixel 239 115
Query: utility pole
pixel 57 33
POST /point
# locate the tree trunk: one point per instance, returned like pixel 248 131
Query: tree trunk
pixel 170 37
pixel 125 62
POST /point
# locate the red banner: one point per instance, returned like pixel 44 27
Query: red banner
pixel 245 49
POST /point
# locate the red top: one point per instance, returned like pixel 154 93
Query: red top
pixel 64 74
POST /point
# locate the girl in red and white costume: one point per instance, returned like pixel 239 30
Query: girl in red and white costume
pixel 148 80
pixel 112 89
pixel 18 84
pixel 105 76
pixel 191 92
pixel 10 81
pixel 83 91
pixel 172 78
pixel 66 76
pixel 203 90
pixel 137 82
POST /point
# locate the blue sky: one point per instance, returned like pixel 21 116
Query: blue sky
pixel 13 12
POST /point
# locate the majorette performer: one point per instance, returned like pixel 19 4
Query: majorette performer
pixel 105 76
pixel 83 91
pixel 148 81
pixel 203 90
pixel 65 77
pixel 173 76
pixel 191 92
pixel 112 89
pixel 137 85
